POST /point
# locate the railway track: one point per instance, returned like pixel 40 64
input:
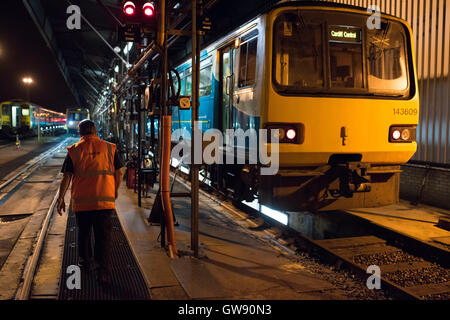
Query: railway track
pixel 25 171
pixel 409 268
pixel 13 184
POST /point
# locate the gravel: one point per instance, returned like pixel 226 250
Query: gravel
pixel 410 278
pixel 440 296
pixel 385 258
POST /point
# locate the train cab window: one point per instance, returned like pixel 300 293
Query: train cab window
pixel 346 64
pixel 298 55
pixel 247 60
pixel 359 61
pixel 386 57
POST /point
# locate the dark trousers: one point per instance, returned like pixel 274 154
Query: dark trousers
pixel 100 222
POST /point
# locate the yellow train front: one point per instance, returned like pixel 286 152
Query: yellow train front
pixel 343 91
pixel 74 116
pixel 24 119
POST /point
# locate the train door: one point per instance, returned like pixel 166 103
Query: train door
pixel 15 117
pixel 227 59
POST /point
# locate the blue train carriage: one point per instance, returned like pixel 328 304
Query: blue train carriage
pixel 341 97
pixel 74 116
pixel 22 118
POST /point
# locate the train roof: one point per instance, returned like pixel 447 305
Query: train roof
pixel 320 4
pixel 77 109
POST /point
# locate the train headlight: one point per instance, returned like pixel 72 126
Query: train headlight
pixel 396 134
pixel 291 134
pixel 402 133
pixel 406 134
pixel 279 134
pixel 285 132
pixel 70 123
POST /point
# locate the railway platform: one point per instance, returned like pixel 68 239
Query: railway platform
pixel 233 263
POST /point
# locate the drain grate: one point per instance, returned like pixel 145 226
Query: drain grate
pixel 127 282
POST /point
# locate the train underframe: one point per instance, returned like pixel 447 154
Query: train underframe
pixel 314 188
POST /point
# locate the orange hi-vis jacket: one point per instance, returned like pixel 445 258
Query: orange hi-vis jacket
pixel 93 184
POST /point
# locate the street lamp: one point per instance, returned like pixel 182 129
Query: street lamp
pixel 27 81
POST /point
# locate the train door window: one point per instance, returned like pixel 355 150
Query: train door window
pixel 386 58
pixel 205 77
pixel 298 52
pixel 345 57
pixel 247 59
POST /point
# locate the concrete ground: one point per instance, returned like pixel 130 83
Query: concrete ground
pixel 233 264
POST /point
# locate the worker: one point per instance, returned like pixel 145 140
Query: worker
pixel 95 169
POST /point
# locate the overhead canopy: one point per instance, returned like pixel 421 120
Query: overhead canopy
pixel 85 57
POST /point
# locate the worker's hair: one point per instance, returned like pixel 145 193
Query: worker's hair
pixel 86 127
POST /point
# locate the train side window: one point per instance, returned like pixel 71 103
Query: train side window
pixel 188 83
pixel 6 109
pixel 181 84
pixel 247 63
pixel 205 77
pixel 25 112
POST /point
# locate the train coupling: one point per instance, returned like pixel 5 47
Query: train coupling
pixel 352 178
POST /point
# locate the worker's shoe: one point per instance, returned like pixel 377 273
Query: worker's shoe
pixel 83 263
pixel 87 265
pixel 103 277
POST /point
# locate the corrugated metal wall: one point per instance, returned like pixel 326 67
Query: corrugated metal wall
pixel 430 22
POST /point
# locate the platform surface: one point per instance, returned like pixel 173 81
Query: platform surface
pixel 420 222
pixel 232 263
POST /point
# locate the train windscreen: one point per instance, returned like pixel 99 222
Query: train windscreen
pixel 337 53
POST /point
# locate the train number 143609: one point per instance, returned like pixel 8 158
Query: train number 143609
pixel 405 112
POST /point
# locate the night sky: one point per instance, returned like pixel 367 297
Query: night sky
pixel 23 52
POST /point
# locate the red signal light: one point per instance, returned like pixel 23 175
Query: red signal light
pixel 129 8
pixel 149 9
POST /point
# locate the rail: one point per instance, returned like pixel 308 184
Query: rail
pixel 30 269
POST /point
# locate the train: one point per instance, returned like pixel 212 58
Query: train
pixel 23 119
pixel 74 116
pixel 340 93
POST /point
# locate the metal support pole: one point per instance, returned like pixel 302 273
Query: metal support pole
pixel 139 171
pixel 194 119
pixel 39 124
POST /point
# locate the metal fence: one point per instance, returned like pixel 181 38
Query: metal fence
pixel 430 22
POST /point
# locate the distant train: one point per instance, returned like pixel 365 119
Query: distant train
pixel 343 96
pixel 22 118
pixel 74 116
